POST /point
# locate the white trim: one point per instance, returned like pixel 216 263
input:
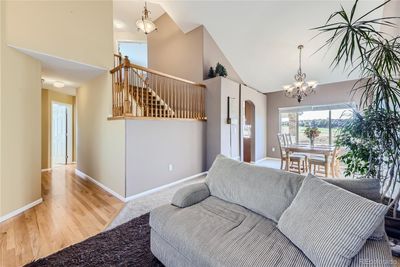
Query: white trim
pixel 105 188
pixel 20 210
pixel 126 199
pixel 257 161
pixel 46 170
pixel 272 158
pixel 59 58
pixel 266 158
pixel 164 186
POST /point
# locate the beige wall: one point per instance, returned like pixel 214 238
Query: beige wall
pixel 212 54
pixel 219 139
pixel 100 143
pixel 189 55
pixel 149 152
pixel 73 30
pixel 173 52
pixel 260 132
pixel 223 138
pixel 325 94
pixel 48 97
pixel 20 130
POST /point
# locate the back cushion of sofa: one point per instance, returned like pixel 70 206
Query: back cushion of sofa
pixel 263 190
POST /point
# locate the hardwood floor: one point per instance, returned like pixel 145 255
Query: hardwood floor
pixel 73 209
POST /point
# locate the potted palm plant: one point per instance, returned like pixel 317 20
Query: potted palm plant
pixel 372 137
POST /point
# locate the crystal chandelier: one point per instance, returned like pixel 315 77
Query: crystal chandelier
pixel 145 24
pixel 300 88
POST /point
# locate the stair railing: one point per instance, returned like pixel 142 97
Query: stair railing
pixel 142 92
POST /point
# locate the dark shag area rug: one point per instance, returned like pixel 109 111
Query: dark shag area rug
pixel 125 245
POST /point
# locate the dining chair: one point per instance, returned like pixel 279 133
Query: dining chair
pixel 289 139
pixel 294 158
pixel 315 162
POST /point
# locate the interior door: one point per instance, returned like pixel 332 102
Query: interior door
pixel 59 134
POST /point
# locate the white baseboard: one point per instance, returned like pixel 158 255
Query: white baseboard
pixel 105 188
pixel 164 186
pixel 271 158
pixel 20 210
pixel 257 161
pixel 126 199
pixel 46 170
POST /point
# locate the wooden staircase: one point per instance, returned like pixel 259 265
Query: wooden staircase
pixel 150 103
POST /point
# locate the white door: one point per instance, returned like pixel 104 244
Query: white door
pixel 59 134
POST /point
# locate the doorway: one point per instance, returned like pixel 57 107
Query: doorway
pixel 61 134
pixel 249 132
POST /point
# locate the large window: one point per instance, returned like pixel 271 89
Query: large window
pixel 136 52
pixel 327 118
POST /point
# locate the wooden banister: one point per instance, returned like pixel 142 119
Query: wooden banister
pixel 166 75
pixel 140 92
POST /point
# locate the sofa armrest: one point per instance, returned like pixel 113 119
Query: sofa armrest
pixel 190 195
pixel 374 253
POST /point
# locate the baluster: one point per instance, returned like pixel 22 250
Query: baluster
pixel 146 84
pixel 170 84
pixel 196 103
pixel 168 98
pixel 185 100
pixel 126 71
pixel 137 93
pixel 174 100
pixel 189 101
pixel 151 104
pixel 158 94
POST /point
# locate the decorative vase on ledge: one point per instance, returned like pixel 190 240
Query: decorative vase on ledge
pixel 311 141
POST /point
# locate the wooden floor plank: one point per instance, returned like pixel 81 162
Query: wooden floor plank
pixel 73 209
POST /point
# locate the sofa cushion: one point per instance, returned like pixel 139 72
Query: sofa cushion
pixel 217 233
pixel 190 195
pixel 263 190
pixel 329 224
pixel 368 188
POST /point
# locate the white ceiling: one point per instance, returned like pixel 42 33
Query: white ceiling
pixel 260 38
pixel 128 12
pixel 72 74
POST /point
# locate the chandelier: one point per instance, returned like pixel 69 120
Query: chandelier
pixel 145 24
pixel 300 88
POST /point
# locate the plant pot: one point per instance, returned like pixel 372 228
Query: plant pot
pixel 392 224
pixel 392 227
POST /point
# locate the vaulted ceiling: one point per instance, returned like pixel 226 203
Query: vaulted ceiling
pixel 260 38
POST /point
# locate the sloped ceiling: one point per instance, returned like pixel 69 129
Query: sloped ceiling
pixel 260 38
pixel 72 74
pixel 126 13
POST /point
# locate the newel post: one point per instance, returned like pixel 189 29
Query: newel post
pixel 127 102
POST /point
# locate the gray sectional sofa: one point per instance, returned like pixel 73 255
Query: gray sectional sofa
pixel 244 215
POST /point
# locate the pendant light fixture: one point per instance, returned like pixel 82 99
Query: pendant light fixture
pixel 145 24
pixel 300 88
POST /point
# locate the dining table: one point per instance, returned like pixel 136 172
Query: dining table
pixel 325 150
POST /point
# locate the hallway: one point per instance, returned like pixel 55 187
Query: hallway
pixel 73 209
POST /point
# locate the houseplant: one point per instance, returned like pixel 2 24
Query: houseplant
pixel 372 137
pixel 220 70
pixel 312 133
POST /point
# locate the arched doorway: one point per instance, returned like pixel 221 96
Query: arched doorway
pixel 249 132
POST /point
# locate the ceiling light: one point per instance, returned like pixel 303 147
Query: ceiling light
pixel 300 88
pixel 59 84
pixel 145 24
pixel 118 24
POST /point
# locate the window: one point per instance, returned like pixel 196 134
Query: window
pixel 136 52
pixel 327 118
